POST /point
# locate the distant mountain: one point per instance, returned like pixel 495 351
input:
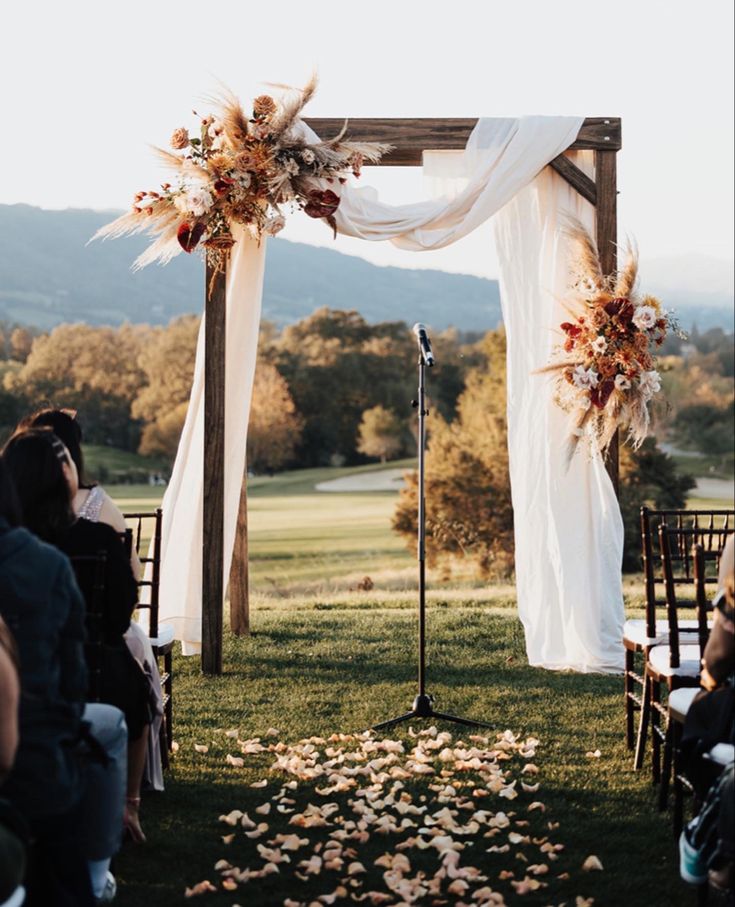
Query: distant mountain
pixel 48 275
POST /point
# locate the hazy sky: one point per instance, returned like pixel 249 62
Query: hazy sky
pixel 87 85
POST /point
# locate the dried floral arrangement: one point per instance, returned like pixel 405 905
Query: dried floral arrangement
pixel 245 170
pixel 605 368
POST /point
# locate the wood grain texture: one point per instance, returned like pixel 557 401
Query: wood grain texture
pixel 411 137
pixel 607 238
pixel 576 178
pixel 214 472
pixel 239 586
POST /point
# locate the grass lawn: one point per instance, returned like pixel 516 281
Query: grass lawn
pixel 325 657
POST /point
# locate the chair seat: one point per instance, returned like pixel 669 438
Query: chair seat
pixel 634 630
pixel 165 636
pixel 679 702
pixel 689 657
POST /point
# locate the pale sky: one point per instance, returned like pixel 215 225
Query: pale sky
pixel 87 85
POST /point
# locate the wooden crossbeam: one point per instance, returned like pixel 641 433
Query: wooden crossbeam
pixel 575 177
pixel 411 137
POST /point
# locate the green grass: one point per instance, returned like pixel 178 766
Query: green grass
pixel 308 672
pixel 325 657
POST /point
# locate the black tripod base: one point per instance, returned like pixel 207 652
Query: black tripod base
pixel 423 708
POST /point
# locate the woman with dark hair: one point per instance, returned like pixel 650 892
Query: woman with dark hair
pixel 45 478
pixel 92 502
pixel 73 803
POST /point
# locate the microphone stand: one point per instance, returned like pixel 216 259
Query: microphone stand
pixel 423 704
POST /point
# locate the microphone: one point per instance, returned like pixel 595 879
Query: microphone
pixel 424 345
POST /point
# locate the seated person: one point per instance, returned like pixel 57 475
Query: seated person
pixel 72 803
pixel 46 481
pixel 12 834
pixel 93 503
pixel 707 844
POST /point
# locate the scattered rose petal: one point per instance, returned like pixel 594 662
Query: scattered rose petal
pixel 200 748
pixel 595 755
pixel 592 863
pixel 200 888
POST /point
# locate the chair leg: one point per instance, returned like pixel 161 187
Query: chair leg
pixel 678 818
pixel 655 730
pixel 168 663
pixel 643 721
pixel 629 708
pixel 663 794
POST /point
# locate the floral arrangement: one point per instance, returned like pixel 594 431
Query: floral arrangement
pixel 605 367
pixel 241 169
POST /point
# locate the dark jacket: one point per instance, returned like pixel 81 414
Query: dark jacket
pixel 42 605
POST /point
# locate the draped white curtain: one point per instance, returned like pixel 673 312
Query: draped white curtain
pixel 568 525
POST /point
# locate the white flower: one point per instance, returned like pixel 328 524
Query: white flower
pixel 274 224
pixel 599 345
pixel 649 383
pixel 621 383
pixel 588 288
pixel 194 198
pixel 584 378
pixel 308 156
pixel 644 317
pixel 291 167
pixel 244 178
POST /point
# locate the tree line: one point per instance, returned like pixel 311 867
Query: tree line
pixel 333 389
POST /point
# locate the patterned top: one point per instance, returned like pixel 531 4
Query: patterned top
pixel 92 506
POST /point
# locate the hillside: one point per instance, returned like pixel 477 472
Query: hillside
pixel 48 275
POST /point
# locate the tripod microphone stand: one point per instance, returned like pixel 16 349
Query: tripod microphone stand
pixel 423 704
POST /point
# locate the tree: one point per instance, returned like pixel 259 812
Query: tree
pixel 648 477
pixel 92 369
pixel 21 342
pixel 468 505
pixel 275 427
pixel 167 364
pixel 380 433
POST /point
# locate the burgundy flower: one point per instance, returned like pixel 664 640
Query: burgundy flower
pixel 189 236
pixel 223 184
pixel 321 203
pixel 571 329
pixel 601 394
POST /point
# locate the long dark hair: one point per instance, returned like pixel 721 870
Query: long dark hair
pixel 63 423
pixel 35 459
pixel 9 504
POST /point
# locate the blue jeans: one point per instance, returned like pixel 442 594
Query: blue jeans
pixel 101 808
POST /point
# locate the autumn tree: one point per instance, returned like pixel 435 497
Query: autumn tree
pixel 92 369
pixel 275 427
pixel 21 342
pixel 167 364
pixel 337 366
pixel 380 433
pixel 648 476
pixel 468 505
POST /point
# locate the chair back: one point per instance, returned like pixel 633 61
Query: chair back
pixel 89 570
pixel 145 530
pixel 711 527
pixel 690 560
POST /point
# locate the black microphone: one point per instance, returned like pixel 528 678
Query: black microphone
pixel 424 345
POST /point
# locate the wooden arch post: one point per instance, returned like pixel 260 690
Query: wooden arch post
pixel 410 138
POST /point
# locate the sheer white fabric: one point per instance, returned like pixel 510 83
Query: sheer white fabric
pixel 181 545
pixel 568 527
pixel 502 157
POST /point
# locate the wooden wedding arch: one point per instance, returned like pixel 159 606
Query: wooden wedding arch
pixel 410 138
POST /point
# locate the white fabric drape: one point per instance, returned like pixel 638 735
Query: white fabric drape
pixel 568 527
pixel 181 568
pixel 501 159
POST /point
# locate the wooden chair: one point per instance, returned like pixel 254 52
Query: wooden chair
pixel 146 539
pixel 89 570
pixel 677 662
pixel 640 634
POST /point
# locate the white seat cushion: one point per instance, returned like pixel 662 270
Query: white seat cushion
pixel 634 631
pixel 165 635
pixel 689 656
pixel 680 700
